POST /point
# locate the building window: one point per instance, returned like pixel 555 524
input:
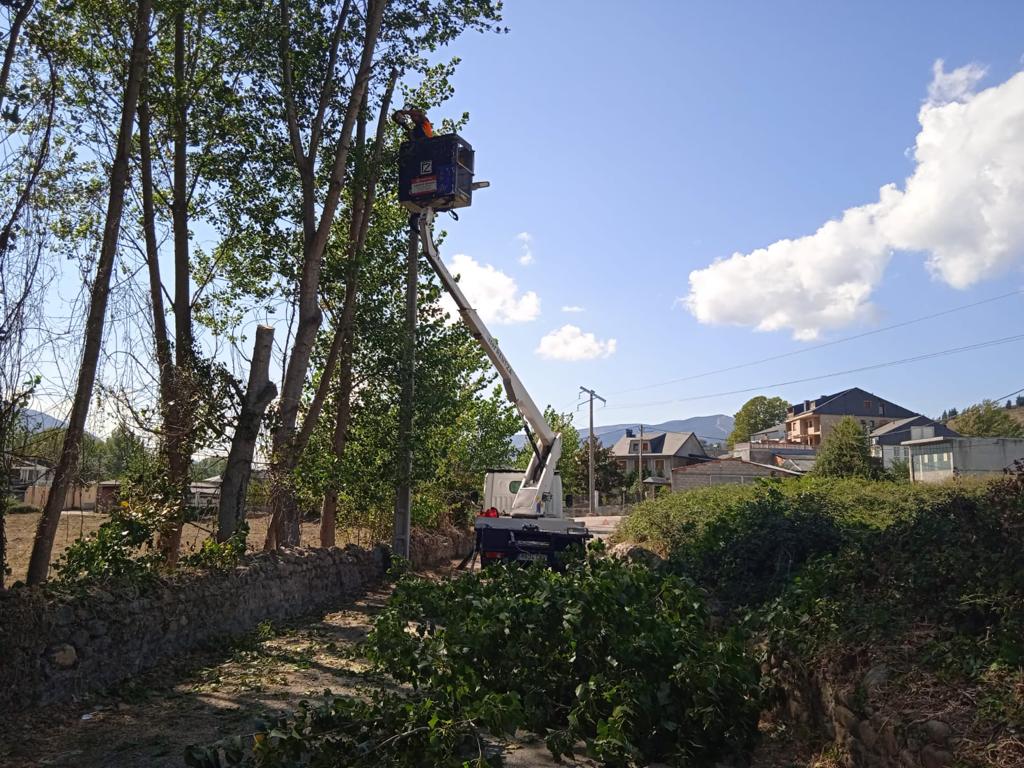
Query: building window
pixel 867 405
pixel 634 446
pixel 659 467
pixel 933 458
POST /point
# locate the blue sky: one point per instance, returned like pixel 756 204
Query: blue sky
pixel 637 144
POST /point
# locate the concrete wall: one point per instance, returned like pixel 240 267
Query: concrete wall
pixel 986 455
pixel 54 647
pixel 966 456
pixel 77 497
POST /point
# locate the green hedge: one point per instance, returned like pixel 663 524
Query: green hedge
pixel 955 564
pixel 746 543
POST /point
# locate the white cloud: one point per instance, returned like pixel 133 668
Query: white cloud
pixel 526 248
pixel 494 295
pixel 960 206
pixel 572 308
pixel 953 86
pixel 570 343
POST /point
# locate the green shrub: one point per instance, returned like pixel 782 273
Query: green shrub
pixel 387 730
pixel 751 550
pixel 219 556
pixel 613 653
pixel 121 550
pixel 610 652
pixel 956 564
pixel 16 507
pixel 746 543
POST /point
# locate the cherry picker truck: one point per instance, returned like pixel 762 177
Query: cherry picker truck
pixel 523 515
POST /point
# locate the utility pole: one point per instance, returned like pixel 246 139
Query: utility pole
pixel 640 464
pixel 592 395
pixel 403 494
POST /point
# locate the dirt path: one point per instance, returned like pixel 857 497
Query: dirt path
pixel 200 698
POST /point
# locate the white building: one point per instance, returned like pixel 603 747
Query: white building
pixel 935 459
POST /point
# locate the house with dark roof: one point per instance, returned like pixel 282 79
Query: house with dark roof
pixel 662 452
pixel 886 441
pixel 777 452
pixel 812 421
pixel 772 434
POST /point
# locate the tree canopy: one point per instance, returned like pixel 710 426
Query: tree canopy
pixel 987 419
pixel 845 452
pixel 757 413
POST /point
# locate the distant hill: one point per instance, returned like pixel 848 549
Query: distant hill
pixel 37 421
pixel 710 429
pixel 1017 414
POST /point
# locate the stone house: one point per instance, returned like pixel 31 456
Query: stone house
pixel 812 421
pixel 662 452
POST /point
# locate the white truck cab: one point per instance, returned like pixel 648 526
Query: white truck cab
pixel 502 485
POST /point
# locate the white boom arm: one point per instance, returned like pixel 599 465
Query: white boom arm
pixel 547 444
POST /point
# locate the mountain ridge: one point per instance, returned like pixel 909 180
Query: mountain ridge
pixel 714 428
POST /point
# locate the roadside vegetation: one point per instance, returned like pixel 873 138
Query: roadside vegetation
pixel 842 575
pixel 633 662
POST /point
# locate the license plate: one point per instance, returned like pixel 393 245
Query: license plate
pixel 533 557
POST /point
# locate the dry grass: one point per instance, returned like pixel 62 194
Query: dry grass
pixel 21 528
pixel 1017 414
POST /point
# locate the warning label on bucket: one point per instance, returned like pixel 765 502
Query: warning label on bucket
pixel 423 185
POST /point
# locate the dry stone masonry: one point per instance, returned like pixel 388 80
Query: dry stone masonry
pixel 868 738
pixel 53 648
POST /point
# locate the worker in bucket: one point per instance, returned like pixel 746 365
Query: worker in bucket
pixel 418 126
pixel 415 122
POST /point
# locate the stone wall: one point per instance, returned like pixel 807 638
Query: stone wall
pixel 428 548
pixel 55 647
pixel 852 715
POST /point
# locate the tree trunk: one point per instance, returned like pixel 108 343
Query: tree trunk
pixel 12 45
pixel 258 394
pixel 284 528
pixel 178 418
pixel 156 299
pixel 42 547
pixel 344 339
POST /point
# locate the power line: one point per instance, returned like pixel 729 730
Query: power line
pixel 903 361
pixel 1000 399
pixel 823 345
